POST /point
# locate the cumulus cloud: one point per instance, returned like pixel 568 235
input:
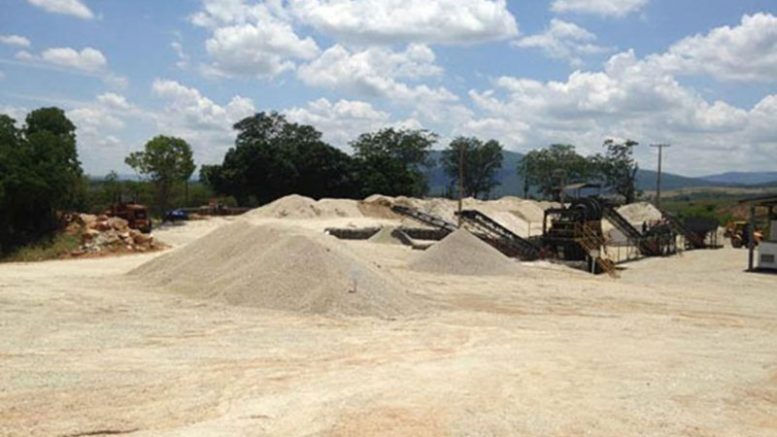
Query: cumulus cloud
pixel 615 8
pixel 372 71
pixel 747 52
pixel 75 8
pixel 564 40
pixel 88 59
pixel 14 40
pixel 630 98
pixel 342 121
pixel 198 119
pixel 381 73
pixel 251 40
pixel 398 21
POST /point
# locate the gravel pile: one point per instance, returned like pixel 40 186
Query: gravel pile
pixel 280 268
pixel 462 253
pixel 640 212
pixel 384 236
pixel 300 207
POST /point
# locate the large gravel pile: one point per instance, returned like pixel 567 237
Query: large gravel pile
pixel 640 212
pixel 462 253
pixel 385 236
pixel 280 268
pixel 300 207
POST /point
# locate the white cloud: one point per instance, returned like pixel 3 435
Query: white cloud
pixel 396 21
pixel 206 125
pixel 14 40
pixel 371 72
pixel 615 8
pixel 747 52
pixel 251 40
pixel 114 101
pixel 24 55
pixel 381 73
pixel 183 58
pixel 630 98
pixel 340 122
pixel 88 59
pixel 564 40
pixel 75 8
pixel 89 62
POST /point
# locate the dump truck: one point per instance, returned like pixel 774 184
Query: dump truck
pixel 135 214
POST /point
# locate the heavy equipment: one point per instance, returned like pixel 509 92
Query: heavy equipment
pixel 135 214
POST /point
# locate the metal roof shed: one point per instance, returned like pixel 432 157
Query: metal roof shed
pixel 768 249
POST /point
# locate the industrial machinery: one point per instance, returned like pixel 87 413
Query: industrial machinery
pixel 767 250
pixel 135 214
pixel 574 233
pixel 737 232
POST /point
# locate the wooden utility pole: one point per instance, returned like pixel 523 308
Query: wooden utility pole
pixel 660 148
pixel 461 179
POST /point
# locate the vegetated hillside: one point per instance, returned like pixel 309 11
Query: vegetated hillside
pixel 744 178
pixel 512 184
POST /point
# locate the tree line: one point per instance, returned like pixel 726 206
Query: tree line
pixel 40 174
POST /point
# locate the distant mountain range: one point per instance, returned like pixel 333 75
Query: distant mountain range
pixel 512 185
pixel 744 178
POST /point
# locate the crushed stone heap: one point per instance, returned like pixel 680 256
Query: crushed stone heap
pixel 281 268
pixel 462 253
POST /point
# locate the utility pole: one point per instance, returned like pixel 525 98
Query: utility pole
pixel 660 148
pixel 461 178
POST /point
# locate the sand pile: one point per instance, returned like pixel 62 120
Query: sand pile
pixel 462 253
pixel 280 268
pixel 385 236
pixel 300 207
pixel 640 212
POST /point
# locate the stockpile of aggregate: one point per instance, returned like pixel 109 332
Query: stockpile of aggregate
pixel 462 253
pixel 640 212
pixel 282 268
pixel 385 236
pixel 300 207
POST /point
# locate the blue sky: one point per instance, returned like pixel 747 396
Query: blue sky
pixel 528 73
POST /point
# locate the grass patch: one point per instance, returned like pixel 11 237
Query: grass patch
pixel 50 248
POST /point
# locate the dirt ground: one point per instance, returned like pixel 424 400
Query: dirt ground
pixel 678 346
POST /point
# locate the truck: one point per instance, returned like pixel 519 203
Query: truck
pixel 135 214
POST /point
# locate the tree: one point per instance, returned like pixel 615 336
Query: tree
pixel 40 174
pixel 482 161
pixel 273 157
pixel 550 168
pixel 392 162
pixel 619 168
pixel 166 161
pixel 111 187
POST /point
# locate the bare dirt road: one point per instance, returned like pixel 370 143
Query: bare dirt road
pixel 678 346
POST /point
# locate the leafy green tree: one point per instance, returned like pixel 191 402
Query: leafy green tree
pixel 273 157
pixel 482 162
pixel 166 161
pixel 619 168
pixel 392 162
pixel 39 175
pixel 550 168
pixel 112 189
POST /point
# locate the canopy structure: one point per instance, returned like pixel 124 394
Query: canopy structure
pixel 769 202
pixel 575 190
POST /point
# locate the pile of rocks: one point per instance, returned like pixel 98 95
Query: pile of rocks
pixel 103 234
